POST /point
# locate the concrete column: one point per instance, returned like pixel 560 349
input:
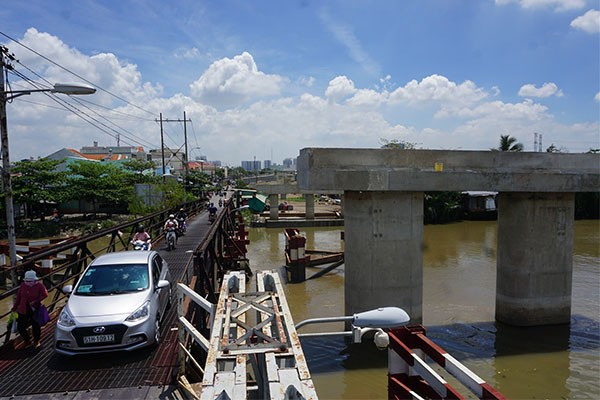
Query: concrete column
pixel 383 251
pixel 274 204
pixel 535 258
pixel 309 200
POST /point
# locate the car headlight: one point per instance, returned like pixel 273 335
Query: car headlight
pixel 140 313
pixel 65 319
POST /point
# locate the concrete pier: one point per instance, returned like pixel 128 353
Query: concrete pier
pixel 384 215
pixel 383 234
pixel 535 258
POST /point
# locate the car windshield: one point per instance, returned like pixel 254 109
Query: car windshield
pixel 113 279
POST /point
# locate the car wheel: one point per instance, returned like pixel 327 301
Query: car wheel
pixel 157 331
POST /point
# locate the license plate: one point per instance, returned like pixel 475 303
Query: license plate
pixel 99 339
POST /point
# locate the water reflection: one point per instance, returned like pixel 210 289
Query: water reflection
pixel 459 298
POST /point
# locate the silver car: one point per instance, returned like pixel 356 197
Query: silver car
pixel 117 304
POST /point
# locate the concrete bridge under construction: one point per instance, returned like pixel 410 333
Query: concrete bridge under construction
pixel 383 222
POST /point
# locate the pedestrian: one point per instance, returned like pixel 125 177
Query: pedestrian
pixel 29 298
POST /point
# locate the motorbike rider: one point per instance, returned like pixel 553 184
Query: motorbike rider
pixel 181 217
pixel 171 224
pixel 212 209
pixel 142 236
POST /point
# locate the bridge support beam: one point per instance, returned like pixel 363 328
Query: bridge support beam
pixel 274 204
pixel 535 258
pixel 309 200
pixel 383 251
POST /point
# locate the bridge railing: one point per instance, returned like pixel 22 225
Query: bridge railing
pixel 62 263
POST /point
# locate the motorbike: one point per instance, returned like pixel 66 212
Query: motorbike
pixel 211 218
pixel 182 226
pixel 171 238
pixel 140 245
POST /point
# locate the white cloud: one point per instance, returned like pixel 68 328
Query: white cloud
pixel 557 5
pixel 438 89
pixel 344 34
pixel 597 97
pixel 238 112
pixel 546 90
pixel 588 22
pixel 339 88
pixel 231 82
pixel 188 54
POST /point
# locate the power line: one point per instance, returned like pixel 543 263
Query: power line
pixel 70 107
pixel 74 74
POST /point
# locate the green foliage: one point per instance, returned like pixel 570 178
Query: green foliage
pixel 587 205
pixel 36 182
pixel 98 183
pixel 397 144
pixel 197 178
pixel 509 143
pixel 220 173
pixel 241 184
pixel 139 171
pixel 442 207
pixel 238 172
pixel 173 193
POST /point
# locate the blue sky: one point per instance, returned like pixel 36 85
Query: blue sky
pixel 266 78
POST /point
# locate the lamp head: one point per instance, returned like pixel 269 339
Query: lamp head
pixel 385 317
pixel 73 88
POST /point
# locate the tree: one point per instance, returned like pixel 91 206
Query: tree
pixel 141 171
pixel 98 183
pixel 397 144
pixel 509 143
pixel 38 185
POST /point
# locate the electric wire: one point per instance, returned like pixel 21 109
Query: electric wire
pixel 132 141
pixel 75 74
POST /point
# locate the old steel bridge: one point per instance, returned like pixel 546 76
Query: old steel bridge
pixel 199 262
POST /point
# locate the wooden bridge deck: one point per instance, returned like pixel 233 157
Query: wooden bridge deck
pixel 146 373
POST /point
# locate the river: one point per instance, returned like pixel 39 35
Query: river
pixel 551 362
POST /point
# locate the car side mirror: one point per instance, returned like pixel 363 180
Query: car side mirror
pixel 162 284
pixel 67 289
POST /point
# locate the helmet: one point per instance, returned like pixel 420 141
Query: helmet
pixel 140 228
pixel 181 209
pixel 171 216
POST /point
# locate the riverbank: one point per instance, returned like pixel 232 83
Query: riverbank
pixel 326 214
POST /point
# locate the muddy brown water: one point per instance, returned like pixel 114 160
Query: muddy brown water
pixel 552 362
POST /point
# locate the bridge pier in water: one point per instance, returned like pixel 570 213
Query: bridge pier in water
pixel 383 234
pixel 383 212
pixel 535 258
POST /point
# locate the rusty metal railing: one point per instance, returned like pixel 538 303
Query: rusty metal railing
pixel 60 264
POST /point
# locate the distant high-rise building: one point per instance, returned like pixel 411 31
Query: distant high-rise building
pixel 267 164
pixel 252 166
pixel 289 163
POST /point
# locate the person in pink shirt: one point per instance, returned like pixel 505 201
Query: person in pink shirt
pixel 29 297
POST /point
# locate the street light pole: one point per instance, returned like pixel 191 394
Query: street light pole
pixel 65 88
pixel 6 181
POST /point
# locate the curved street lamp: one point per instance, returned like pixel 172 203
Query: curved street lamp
pixel 65 88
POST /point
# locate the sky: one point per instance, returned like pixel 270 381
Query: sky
pixel 262 79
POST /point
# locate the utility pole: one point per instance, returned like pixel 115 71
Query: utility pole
pixel 186 168
pixel 162 145
pixel 6 181
pixel 162 148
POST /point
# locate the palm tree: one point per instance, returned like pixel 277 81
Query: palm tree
pixel 509 143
